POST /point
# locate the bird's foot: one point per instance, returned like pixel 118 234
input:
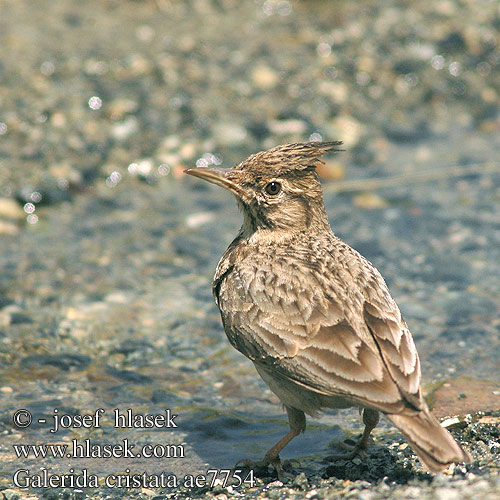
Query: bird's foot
pixel 261 465
pixel 358 450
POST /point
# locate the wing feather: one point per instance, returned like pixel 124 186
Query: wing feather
pixel 334 339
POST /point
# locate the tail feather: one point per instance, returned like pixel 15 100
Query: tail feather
pixel 433 444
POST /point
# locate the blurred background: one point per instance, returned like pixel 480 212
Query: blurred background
pixel 107 249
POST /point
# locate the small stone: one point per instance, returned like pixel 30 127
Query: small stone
pixel 65 171
pixel 170 159
pixel 331 170
pixel 451 423
pixel 489 95
pixel 265 77
pixel 229 134
pixel 348 128
pixel 58 120
pixel 171 142
pixel 64 361
pixel 122 130
pixel 8 228
pixel 11 494
pixel 447 494
pixel 198 219
pixel 490 420
pixel 117 298
pixel 286 127
pixel 18 318
pixel 301 480
pixel 142 167
pixel 369 201
pixel 10 209
pixel 187 151
pixel 337 91
pixel 140 65
pixel 118 108
pixel 453 43
pixel 74 314
pixel 273 494
pixel 489 126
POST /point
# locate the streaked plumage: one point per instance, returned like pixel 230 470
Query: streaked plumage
pixel 314 316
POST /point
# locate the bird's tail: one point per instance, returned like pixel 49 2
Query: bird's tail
pixel 433 444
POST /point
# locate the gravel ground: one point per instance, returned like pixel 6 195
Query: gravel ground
pixel 107 250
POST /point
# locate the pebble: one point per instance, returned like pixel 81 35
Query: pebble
pixel 199 218
pixel 265 77
pixel 331 170
pixel 11 494
pixel 447 494
pixel 8 228
pixel 348 128
pixel 123 130
pixel 229 134
pixel 187 151
pixel 287 127
pixel 10 209
pixel 369 201
pixel 171 142
pixel 118 298
pixel 64 362
pixel 118 108
pixel 65 171
pixel 337 91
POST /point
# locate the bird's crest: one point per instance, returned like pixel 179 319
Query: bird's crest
pixel 289 157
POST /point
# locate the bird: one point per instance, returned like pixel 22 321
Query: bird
pixel 314 316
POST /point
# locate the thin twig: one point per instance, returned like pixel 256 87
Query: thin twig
pixel 401 180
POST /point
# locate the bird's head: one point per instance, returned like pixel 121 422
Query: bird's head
pixel 276 189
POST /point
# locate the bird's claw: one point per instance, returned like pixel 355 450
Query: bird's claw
pixel 358 450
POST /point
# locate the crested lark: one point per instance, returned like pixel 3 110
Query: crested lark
pixel 314 316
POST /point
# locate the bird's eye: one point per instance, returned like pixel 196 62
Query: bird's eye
pixel 273 188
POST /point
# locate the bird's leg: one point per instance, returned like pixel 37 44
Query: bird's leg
pixel 297 422
pixel 370 419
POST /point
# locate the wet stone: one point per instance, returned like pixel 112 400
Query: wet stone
pixel 133 346
pixel 128 376
pixel 10 209
pixel 17 318
pixel 454 42
pixel 160 396
pixel 64 362
pixel 407 133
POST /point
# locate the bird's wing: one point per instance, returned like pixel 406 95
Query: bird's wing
pixel 307 334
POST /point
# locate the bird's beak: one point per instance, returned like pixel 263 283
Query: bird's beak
pixel 217 175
